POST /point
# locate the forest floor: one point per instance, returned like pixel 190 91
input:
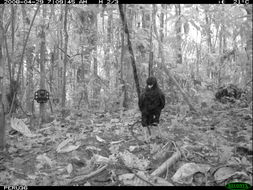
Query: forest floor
pixel 212 147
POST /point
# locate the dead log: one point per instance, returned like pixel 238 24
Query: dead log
pixel 175 157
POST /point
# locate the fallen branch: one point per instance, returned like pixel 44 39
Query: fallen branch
pixel 92 174
pixel 167 164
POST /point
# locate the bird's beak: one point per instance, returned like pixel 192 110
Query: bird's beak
pixel 150 86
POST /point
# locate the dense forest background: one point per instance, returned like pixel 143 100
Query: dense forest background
pixel 79 53
pixel 96 58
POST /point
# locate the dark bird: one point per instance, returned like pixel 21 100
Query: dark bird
pixel 151 103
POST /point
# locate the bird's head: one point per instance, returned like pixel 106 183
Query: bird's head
pixel 151 82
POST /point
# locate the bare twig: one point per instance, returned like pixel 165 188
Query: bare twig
pixel 92 174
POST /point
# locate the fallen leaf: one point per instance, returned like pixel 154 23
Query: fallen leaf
pixel 20 126
pixel 116 142
pixel 93 148
pixel 63 143
pixel 101 159
pixel 132 148
pixel 100 139
pixel 184 174
pixel 69 148
pixel 69 168
pixel 223 173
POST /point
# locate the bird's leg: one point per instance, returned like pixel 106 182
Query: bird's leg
pixel 159 129
pixel 156 122
pixel 147 133
pixel 160 132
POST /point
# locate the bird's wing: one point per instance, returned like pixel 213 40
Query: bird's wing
pixel 141 101
pixel 162 99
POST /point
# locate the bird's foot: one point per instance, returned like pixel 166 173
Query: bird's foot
pixel 147 137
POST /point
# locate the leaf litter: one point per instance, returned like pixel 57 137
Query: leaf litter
pixel 213 147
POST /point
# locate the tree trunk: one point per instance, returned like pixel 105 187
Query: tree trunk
pixel 30 84
pixel 122 81
pixel 8 58
pixel 222 48
pixel 124 22
pixel 96 89
pixel 248 9
pixel 24 47
pixel 65 59
pixel 108 44
pixel 42 63
pixel 5 29
pixel 151 56
pixel 163 8
pixel 59 76
pixel 209 43
pixel 2 114
pixel 166 18
pixel 13 99
pixel 13 16
pixel 51 74
pixel 198 56
pixel 29 59
pixel 208 26
pixel 178 34
pixel 145 19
